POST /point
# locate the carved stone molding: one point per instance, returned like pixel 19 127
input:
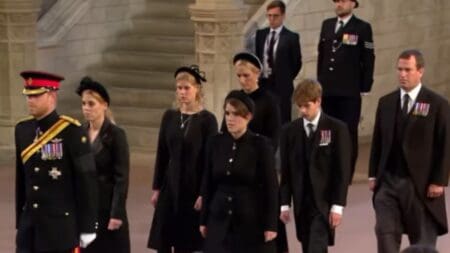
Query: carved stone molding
pixel 218 36
pixel 17 53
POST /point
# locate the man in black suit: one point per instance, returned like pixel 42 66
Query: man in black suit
pixel 345 66
pixel 279 50
pixel 315 164
pixel 56 187
pixel 409 161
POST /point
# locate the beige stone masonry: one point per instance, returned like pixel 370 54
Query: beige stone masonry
pixel 218 36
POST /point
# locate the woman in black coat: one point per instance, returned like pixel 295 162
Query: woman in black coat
pixel 179 167
pixel 110 147
pixel 240 188
pixel 266 119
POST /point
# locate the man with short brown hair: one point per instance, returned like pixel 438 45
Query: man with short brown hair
pixel 315 166
pixel 409 162
pixel 278 48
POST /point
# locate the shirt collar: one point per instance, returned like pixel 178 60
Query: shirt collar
pixel 277 30
pixel 345 20
pixel 315 121
pixel 412 93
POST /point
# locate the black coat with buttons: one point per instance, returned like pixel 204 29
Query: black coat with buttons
pixel 345 63
pixel 178 174
pixel 57 199
pixel 240 194
pixel 112 161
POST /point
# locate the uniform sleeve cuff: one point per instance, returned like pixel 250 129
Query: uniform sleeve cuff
pixel 285 208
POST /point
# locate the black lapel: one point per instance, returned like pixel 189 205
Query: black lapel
pixel 299 132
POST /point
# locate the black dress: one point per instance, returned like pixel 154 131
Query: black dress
pixel 178 173
pixel 240 194
pixel 112 162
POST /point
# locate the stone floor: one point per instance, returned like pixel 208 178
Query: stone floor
pixel 355 235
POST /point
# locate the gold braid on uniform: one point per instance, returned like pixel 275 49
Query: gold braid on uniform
pixel 70 119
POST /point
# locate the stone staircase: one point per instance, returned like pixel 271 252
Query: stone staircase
pixel 138 70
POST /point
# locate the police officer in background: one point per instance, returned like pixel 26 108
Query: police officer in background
pixel 345 66
pixel 56 191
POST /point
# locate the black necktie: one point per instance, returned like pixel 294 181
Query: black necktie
pixel 340 26
pixel 270 49
pixel 311 130
pixel 405 105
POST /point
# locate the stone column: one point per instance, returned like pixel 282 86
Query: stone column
pixel 218 36
pixel 18 20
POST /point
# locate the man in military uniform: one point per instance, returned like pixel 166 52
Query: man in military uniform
pixel 56 194
pixel 345 66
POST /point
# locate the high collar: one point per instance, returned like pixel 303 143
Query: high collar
pixel 277 30
pixel 240 139
pixel 48 121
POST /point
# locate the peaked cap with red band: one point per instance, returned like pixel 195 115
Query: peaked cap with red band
pixel 38 82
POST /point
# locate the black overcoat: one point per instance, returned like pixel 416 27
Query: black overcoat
pixel 426 147
pixel 112 160
pixel 329 167
pixel 240 194
pixel 178 172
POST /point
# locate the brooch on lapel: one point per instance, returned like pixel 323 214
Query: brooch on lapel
pixel 325 137
pixel 350 39
pixel 52 150
pixel 421 109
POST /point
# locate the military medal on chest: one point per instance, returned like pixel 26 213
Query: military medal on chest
pixel 54 173
pixel 52 150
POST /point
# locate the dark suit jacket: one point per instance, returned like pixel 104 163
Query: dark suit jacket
pixel 112 160
pixel 329 166
pixel 426 147
pixel 348 70
pixel 288 59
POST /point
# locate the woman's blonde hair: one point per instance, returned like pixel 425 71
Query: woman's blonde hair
pixel 185 76
pixel 247 64
pixel 108 113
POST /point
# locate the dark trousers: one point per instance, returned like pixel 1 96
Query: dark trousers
pixel 25 239
pixel 399 210
pixel 313 231
pixel 347 109
pixel 284 98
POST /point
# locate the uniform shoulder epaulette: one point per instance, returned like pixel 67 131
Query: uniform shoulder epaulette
pixel 25 119
pixel 70 119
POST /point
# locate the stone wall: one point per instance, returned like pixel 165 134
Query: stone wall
pixel 397 25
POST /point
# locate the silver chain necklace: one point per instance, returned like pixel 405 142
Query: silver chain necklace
pixel 183 122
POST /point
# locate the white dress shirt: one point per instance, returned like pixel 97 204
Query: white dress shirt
pixel 267 70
